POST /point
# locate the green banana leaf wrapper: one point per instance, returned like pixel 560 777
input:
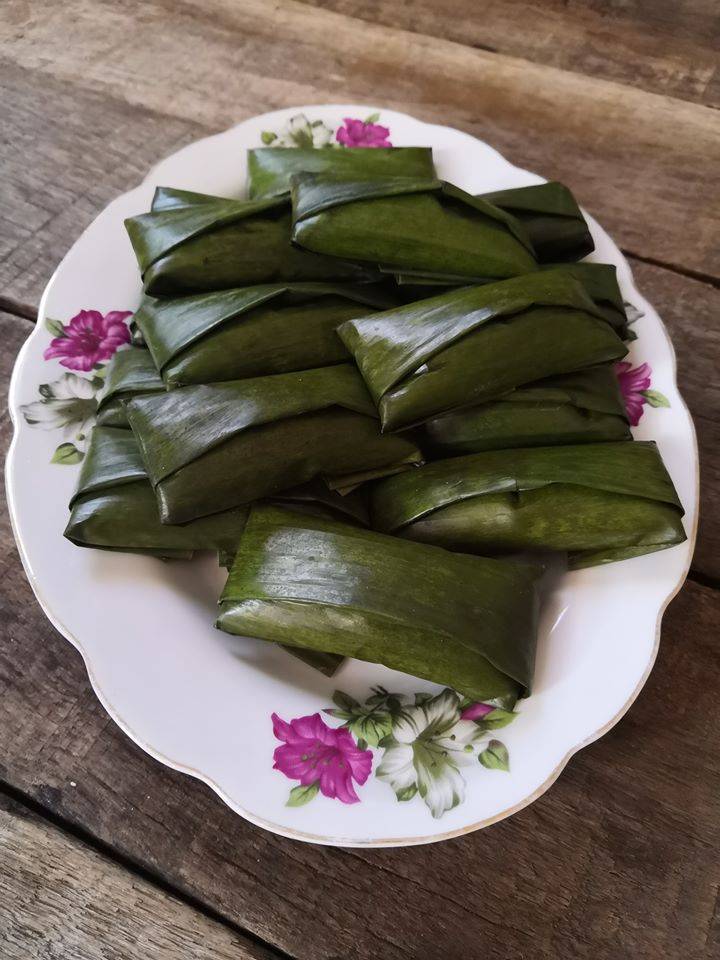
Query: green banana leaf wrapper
pixel 598 502
pixel 192 241
pixel 475 344
pixel 601 284
pixel 114 507
pixel 405 224
pixel 582 407
pixel 271 168
pixel 317 499
pixel 598 279
pixel 252 331
pixel 211 447
pixel 467 622
pixel 130 373
pixel 552 218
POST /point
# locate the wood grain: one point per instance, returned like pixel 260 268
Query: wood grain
pixel 617 860
pixel 690 310
pixel 60 899
pixel 664 46
pixel 65 153
pixel 217 63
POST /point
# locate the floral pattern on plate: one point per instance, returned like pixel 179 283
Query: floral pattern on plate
pixel 69 404
pixel 425 742
pixel 301 132
pixel 635 388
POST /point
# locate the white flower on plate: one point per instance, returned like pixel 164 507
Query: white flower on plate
pixel 428 745
pixel 67 404
pixel 300 132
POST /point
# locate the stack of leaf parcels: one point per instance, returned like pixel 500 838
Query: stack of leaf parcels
pixel 373 394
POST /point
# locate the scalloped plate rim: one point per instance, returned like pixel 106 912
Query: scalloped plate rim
pixel 276 117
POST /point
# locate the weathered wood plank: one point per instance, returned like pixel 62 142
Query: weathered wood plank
pixel 60 898
pixel 690 310
pixel 664 46
pixel 631 870
pixel 219 62
pixel 65 153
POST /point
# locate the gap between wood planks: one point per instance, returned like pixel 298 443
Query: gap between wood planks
pixel 158 881
pixel 674 268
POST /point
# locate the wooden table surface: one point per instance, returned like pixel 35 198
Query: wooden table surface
pixel 104 853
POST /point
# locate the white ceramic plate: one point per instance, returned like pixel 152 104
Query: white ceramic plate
pixel 201 701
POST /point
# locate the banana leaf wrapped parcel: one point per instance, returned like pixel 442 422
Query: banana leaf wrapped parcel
pixel 211 447
pixel 600 282
pixel 599 502
pixel 476 344
pixel 271 168
pixel 464 621
pixel 582 407
pixel 552 218
pixel 317 499
pixel 252 331
pixel 405 224
pixel 114 507
pixel 130 373
pixel 192 241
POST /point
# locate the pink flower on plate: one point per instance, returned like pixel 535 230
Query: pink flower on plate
pixel 362 133
pixel 476 711
pixel 89 338
pixel 633 384
pixel 318 755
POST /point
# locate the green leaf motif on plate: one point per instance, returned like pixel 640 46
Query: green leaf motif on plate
pixel 655 398
pixel 67 454
pixel 345 702
pixel 496 719
pixel 54 327
pixel 299 796
pixel 368 724
pixel 495 756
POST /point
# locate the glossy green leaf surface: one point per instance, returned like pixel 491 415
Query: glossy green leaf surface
pixel 252 331
pixel 270 168
pixel 581 407
pixel 130 373
pixel 553 220
pixel 316 498
pixel 402 223
pixel 600 502
pixel 598 279
pixel 114 507
pixel 477 343
pixel 191 242
pixel 211 447
pixel 600 283
pixel 464 621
